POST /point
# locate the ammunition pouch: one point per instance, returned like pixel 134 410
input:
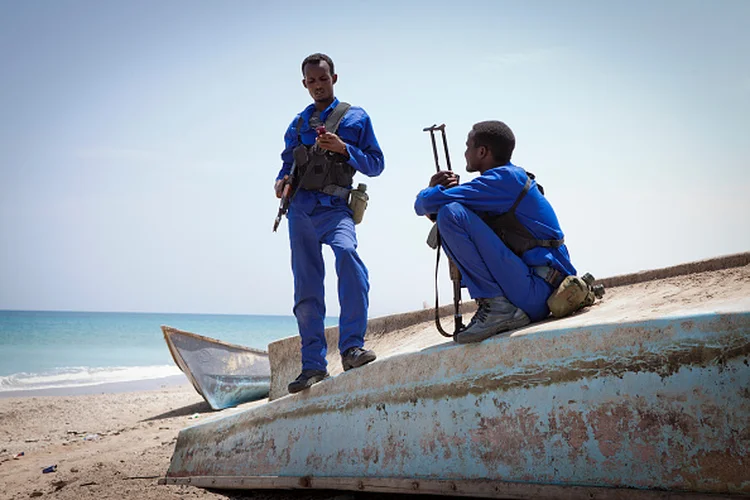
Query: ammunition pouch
pixel 317 169
pixel 324 168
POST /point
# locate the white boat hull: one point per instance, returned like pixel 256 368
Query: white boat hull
pixel 224 374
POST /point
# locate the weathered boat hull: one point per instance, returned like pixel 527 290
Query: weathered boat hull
pixel 224 374
pixel 659 404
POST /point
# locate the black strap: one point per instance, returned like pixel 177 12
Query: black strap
pixel 522 194
pixel 334 190
pixel 332 122
pixel 549 274
pixel 550 243
pixel 300 122
pixel 334 119
pixel 437 301
pixel 554 278
pixel 514 234
pixel 539 243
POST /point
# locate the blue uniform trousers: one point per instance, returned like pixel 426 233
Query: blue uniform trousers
pixel 333 226
pixel 488 267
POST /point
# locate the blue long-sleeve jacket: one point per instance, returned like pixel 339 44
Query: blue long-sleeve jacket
pixel 495 191
pixel 355 130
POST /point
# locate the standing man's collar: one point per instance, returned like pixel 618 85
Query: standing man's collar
pixel 311 109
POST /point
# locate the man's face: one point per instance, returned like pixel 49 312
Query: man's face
pixel 319 81
pixel 472 154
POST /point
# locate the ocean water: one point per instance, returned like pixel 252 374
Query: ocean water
pixel 58 350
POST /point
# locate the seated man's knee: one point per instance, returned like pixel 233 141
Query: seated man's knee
pixel 450 213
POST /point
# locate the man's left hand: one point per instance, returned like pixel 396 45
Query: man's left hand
pixel 332 142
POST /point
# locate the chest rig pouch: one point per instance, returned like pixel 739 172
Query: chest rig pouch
pixel 318 169
pixel 512 232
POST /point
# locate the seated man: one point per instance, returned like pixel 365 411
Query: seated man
pixel 500 231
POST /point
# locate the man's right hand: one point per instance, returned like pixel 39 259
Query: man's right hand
pixel 279 186
pixel 445 178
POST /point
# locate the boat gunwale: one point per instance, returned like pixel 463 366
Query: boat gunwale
pixel 484 488
pixel 168 330
pixel 318 399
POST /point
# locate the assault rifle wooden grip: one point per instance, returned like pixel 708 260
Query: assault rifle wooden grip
pixel 283 204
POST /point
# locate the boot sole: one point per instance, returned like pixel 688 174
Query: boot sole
pixel 472 339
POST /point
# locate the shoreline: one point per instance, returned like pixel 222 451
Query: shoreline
pixel 142 385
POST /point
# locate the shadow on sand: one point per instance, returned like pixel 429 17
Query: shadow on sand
pixel 192 409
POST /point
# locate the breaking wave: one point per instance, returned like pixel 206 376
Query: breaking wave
pixel 82 376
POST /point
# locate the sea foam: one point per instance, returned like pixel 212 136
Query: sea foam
pixel 83 376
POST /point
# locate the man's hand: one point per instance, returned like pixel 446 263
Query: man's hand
pixel 445 178
pixel 332 142
pixel 279 186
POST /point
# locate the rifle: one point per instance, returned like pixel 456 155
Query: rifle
pixel 286 195
pixel 434 241
pixel 299 155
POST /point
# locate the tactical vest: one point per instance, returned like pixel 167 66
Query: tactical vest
pixel 512 232
pixel 318 168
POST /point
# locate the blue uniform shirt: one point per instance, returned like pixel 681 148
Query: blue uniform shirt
pixel 495 191
pixel 355 130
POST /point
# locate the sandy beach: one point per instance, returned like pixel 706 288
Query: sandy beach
pixel 105 446
pixel 110 446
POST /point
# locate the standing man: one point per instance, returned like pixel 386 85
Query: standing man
pixel 501 232
pixel 326 160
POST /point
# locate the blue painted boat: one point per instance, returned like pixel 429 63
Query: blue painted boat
pixel 225 374
pixel 645 395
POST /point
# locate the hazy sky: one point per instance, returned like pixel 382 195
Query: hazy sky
pixel 139 140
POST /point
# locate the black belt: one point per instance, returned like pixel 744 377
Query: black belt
pixel 334 190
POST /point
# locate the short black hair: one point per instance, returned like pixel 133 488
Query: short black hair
pixel 317 58
pixel 497 137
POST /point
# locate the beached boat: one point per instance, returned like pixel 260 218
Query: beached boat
pixel 224 374
pixel 644 395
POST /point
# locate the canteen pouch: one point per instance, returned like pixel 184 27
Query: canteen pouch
pixel 572 294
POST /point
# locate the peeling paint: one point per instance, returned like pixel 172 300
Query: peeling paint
pixel 660 404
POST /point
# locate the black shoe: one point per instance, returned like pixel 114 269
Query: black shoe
pixel 354 357
pixel 495 315
pixel 306 379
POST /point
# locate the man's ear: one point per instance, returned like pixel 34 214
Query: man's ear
pixel 483 152
pixel 304 83
pixel 334 78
